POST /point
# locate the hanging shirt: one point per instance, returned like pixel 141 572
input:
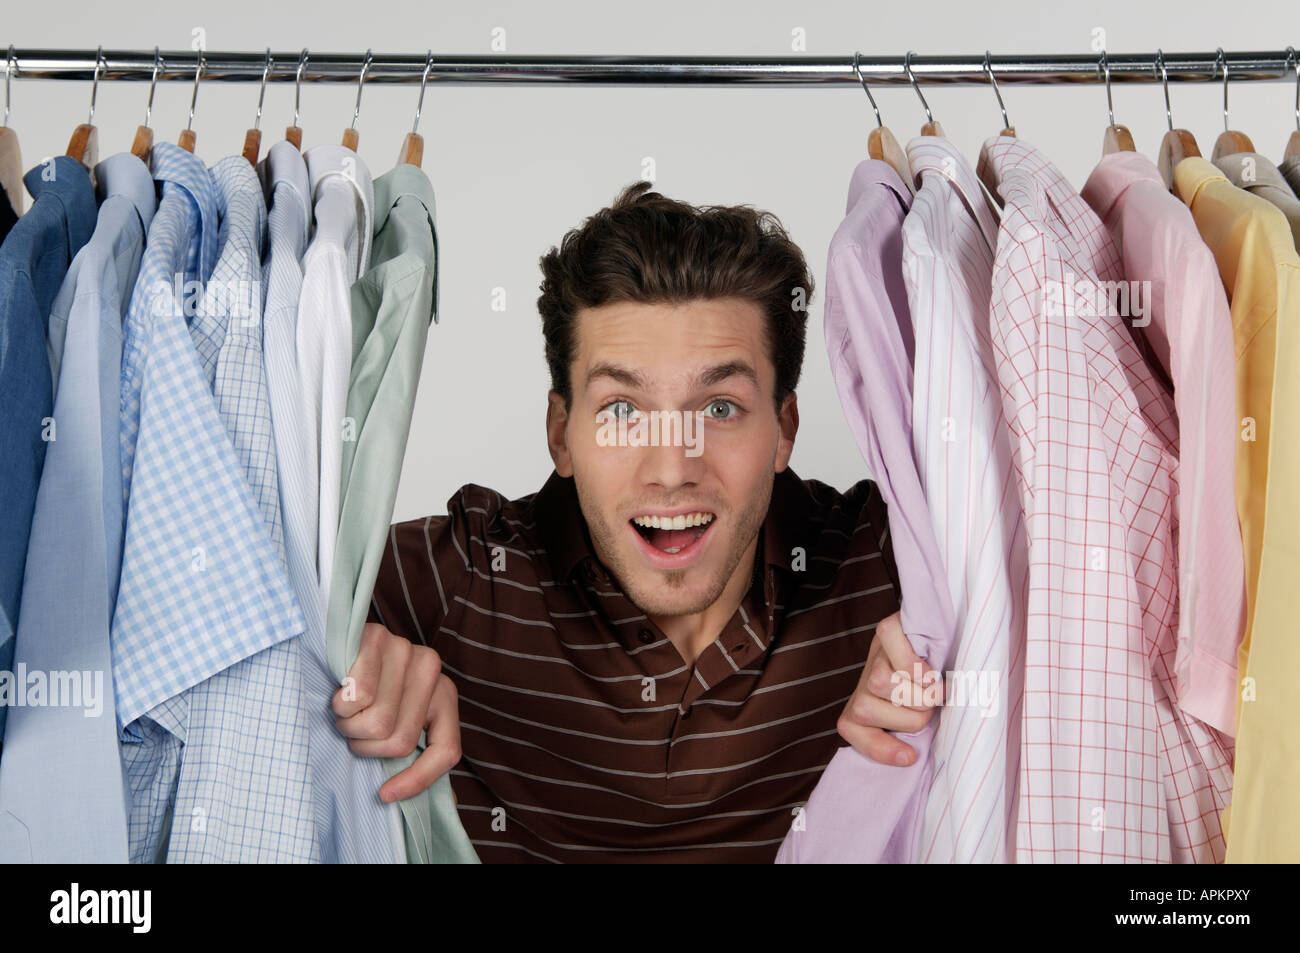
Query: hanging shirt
pixel 963 453
pixel 202 587
pixel 343 197
pixel 1257 175
pixel 33 262
pixel 1110 768
pixel 392 306
pixel 863 811
pixel 1290 169
pixel 1257 260
pixel 246 767
pixel 1190 331
pixel 61 784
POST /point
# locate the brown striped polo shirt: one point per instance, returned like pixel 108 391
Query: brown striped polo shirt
pixel 584 735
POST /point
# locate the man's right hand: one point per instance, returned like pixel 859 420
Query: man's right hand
pixel 399 691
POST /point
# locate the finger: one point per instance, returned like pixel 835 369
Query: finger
pixel 867 711
pixel 413 713
pixel 440 754
pixel 903 659
pixel 877 745
pixel 378 720
pixel 364 673
pixel 899 688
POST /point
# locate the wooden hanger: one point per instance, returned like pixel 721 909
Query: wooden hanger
pixel 1117 138
pixel 84 144
pixel 294 133
pixel 11 157
pixel 1178 144
pixel 1293 143
pixel 253 138
pixel 142 144
pixel 350 134
pixel 412 152
pixel 1230 141
pixel 930 128
pixel 881 143
pixel 187 138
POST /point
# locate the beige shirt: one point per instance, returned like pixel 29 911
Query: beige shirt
pixel 1256 173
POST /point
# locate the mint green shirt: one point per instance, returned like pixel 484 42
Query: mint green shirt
pixel 392 306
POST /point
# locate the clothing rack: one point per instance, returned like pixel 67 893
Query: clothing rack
pixel 305 66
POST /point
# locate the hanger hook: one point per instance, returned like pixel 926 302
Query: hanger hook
pixel 907 65
pixel 194 96
pixel 1164 81
pixel 365 65
pixel 1291 57
pixel 11 64
pixel 862 79
pixel 1104 64
pixel 94 84
pixel 988 68
pixel 257 121
pixel 297 82
pixel 1221 58
pixel 428 63
pixel 153 82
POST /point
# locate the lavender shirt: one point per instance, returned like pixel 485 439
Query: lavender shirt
pixel 862 811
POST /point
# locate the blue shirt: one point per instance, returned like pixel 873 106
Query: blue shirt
pixel 61 785
pixel 33 262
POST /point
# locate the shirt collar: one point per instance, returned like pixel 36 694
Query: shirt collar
pixel 405 179
pixel 1193 174
pixel 937 154
pixel 873 174
pixel 1113 176
pixel 562 528
pixel 235 179
pixel 179 167
pixel 126 175
pixel 285 167
pixel 329 161
pixel 1250 170
pixel 65 180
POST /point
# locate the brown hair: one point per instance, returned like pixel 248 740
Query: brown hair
pixel 656 250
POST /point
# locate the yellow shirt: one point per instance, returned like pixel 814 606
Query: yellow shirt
pixel 1257 259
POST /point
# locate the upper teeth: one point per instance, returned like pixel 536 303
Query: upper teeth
pixel 674 522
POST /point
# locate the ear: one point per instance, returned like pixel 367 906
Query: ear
pixel 557 440
pixel 787 422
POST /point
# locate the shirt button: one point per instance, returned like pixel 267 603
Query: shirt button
pixel 646 636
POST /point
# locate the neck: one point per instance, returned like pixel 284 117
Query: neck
pixel 693 633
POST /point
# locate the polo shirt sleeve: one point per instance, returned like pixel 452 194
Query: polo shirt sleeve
pixel 429 563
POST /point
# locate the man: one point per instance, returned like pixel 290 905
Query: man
pixel 653 657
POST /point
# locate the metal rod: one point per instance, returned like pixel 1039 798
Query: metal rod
pixel 1050 69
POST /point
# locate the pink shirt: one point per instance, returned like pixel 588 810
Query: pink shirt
pixel 1190 332
pixel 1111 769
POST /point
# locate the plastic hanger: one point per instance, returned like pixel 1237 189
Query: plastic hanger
pixel 253 138
pixel 1178 144
pixel 11 157
pixel 84 144
pixel 1230 141
pixel 350 134
pixel 1292 144
pixel 142 144
pixel 881 143
pixel 413 143
pixel 1117 138
pixel 294 133
pixel 187 138
pixel 931 128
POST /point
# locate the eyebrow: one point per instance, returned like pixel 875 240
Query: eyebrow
pixel 709 377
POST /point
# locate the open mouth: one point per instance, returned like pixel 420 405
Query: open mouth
pixel 673 535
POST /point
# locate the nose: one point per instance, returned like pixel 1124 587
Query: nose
pixel 677 460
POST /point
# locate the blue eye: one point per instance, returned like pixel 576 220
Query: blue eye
pixel 712 410
pixel 621 409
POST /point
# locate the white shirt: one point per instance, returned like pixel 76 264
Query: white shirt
pixel 963 453
pixel 342 197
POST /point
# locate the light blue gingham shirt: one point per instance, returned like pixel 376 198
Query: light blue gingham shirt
pixel 202 584
pixel 352 824
pixel 245 780
pixel 61 776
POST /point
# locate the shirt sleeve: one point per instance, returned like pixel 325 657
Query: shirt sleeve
pixel 429 565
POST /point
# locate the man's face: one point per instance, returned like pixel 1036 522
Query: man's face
pixel 707 357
